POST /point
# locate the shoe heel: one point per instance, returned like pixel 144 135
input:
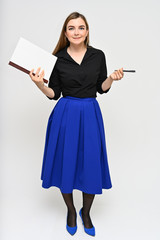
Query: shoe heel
pixel 90 231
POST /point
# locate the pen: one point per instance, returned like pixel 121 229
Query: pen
pixel 127 70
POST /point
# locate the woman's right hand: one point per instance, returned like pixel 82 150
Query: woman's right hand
pixel 37 79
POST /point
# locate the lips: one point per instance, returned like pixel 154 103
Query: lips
pixel 76 38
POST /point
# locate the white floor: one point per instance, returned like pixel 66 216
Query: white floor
pixel 41 214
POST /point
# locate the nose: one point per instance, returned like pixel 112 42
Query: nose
pixel 76 32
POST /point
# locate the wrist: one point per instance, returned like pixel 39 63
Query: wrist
pixel 110 78
pixel 40 85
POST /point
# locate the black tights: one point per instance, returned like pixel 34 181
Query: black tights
pixel 87 202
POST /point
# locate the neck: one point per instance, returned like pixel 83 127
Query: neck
pixel 77 48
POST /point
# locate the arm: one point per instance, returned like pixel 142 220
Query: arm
pixel 107 83
pixel 49 92
pixel 116 75
pixel 54 85
pixel 53 91
pixel 104 82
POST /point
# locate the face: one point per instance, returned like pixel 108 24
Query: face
pixel 76 31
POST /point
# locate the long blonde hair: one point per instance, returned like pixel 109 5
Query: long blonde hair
pixel 63 41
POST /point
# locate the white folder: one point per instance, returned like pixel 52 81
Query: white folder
pixel 27 56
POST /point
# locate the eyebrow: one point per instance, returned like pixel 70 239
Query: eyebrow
pixel 79 26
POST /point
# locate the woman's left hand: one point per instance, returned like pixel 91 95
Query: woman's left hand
pixel 117 75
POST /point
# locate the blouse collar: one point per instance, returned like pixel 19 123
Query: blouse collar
pixel 64 54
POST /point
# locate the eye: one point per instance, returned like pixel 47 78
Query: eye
pixel 72 28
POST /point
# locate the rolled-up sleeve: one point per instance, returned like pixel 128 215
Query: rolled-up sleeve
pixel 55 83
pixel 102 75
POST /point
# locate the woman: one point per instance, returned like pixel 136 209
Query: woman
pixel 75 155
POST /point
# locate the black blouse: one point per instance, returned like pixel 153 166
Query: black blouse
pixel 78 80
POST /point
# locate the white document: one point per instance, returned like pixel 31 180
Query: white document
pixel 27 56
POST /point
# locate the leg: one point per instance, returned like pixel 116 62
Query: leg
pixel 87 202
pixel 68 198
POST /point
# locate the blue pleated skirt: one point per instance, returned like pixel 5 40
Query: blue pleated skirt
pixel 75 154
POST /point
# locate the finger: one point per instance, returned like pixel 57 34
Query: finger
pixel 121 72
pixel 38 70
pixel 118 74
pixel 42 74
pixel 115 74
pixel 31 71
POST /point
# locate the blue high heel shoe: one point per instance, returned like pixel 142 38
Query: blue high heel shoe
pixel 71 230
pixel 90 231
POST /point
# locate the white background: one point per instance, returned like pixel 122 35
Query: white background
pixel 128 33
